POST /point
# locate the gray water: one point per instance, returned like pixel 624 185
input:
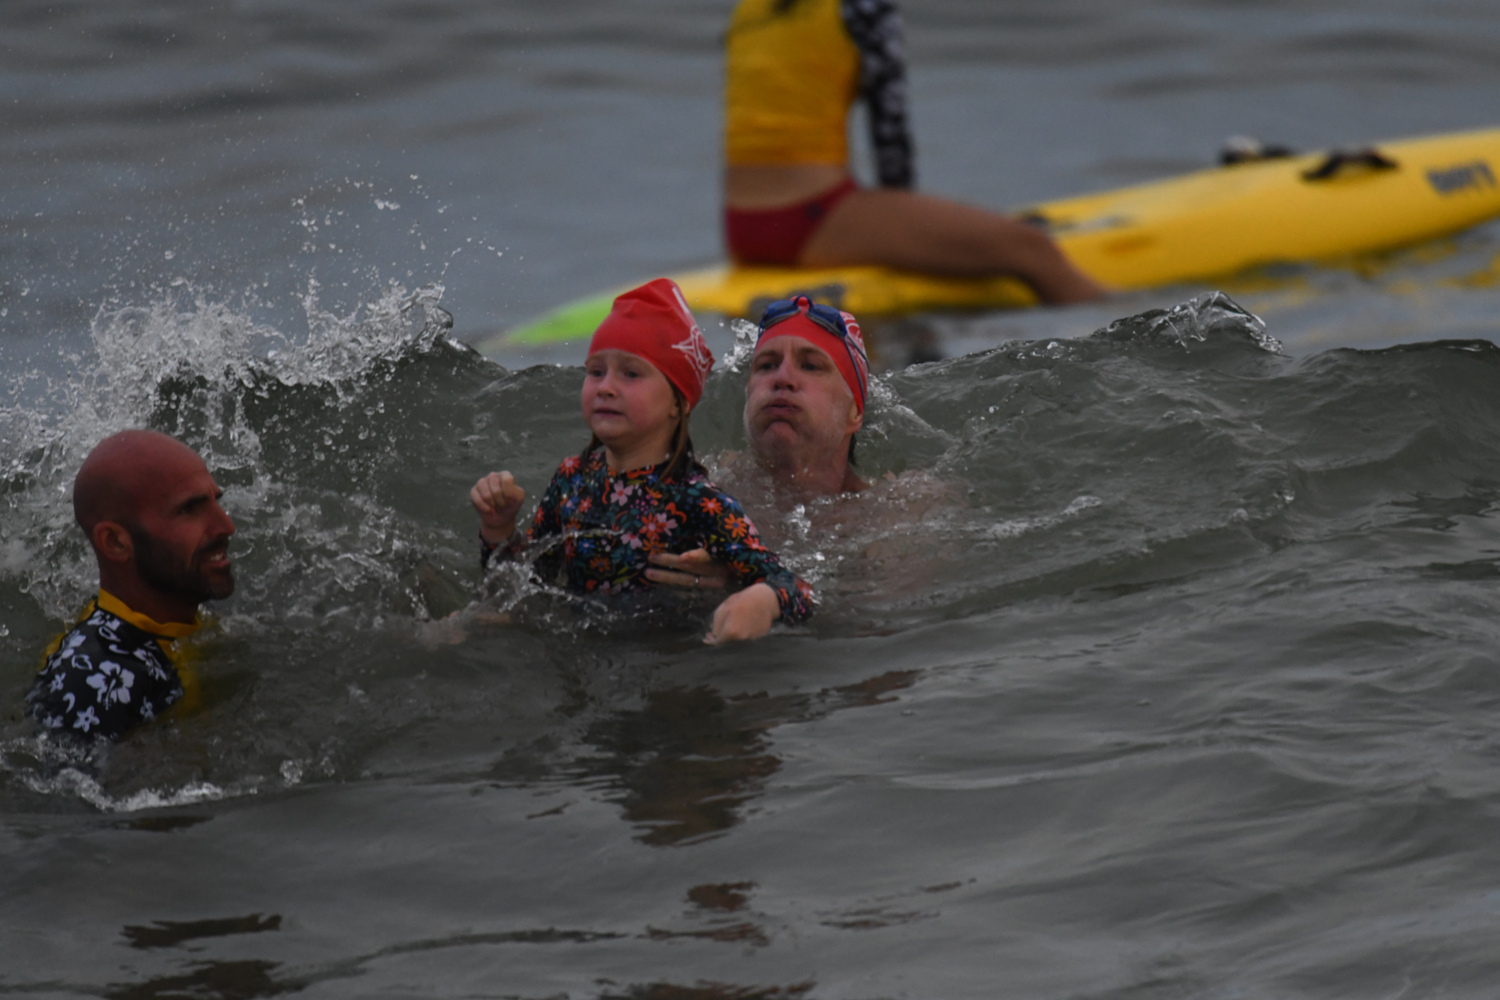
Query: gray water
pixel 1158 662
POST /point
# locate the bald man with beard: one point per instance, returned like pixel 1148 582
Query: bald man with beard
pixel 151 512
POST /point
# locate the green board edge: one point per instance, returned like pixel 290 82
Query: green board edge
pixel 573 321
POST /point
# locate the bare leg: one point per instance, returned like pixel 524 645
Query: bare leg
pixel 916 232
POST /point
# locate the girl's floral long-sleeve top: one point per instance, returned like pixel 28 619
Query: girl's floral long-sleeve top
pixel 609 524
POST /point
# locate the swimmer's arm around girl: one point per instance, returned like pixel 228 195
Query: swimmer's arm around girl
pixel 695 569
pixel 771 591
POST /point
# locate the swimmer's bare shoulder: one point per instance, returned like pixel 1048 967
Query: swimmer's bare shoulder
pixel 919 488
pixel 889 537
pixel 891 501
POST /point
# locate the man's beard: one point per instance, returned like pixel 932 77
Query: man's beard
pixel 156 566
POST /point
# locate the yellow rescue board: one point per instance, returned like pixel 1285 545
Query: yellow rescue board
pixel 1207 224
pixel 1306 208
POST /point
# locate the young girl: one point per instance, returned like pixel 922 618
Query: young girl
pixel 636 489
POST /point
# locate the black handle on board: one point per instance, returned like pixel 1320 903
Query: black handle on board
pixel 1340 160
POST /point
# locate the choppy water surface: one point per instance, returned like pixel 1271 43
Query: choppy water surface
pixel 1159 660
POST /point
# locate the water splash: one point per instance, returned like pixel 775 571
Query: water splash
pixel 1205 317
pixel 195 368
pixel 63 767
pixel 743 348
pixel 1016 527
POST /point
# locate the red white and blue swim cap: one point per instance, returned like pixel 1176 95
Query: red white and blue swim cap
pixel 832 330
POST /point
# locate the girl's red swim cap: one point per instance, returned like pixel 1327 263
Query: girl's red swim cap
pixel 654 322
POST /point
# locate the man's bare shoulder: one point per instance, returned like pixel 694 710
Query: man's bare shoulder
pixel 894 497
pixel 913 485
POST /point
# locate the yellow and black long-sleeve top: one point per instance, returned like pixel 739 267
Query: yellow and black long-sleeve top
pixel 793 70
pixel 113 670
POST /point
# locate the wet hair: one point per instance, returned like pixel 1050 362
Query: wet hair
pixel 682 459
pixel 852 439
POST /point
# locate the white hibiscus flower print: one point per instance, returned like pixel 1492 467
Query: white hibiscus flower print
pixel 112 682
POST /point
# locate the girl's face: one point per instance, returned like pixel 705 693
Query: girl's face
pixel 627 402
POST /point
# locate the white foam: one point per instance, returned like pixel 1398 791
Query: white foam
pixel 1016 527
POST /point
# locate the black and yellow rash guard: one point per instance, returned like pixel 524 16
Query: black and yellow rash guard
pixel 793 70
pixel 112 671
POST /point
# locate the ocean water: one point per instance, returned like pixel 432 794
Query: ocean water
pixel 1159 660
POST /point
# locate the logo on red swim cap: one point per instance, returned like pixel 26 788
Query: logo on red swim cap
pixel 693 345
pixel 858 373
pixel 655 323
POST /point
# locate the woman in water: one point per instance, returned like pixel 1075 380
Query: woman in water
pixel 637 489
pixel 794 69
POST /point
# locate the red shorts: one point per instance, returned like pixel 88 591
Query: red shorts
pixel 776 236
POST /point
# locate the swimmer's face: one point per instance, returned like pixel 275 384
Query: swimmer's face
pixel 181 534
pixel 628 403
pixel 798 408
